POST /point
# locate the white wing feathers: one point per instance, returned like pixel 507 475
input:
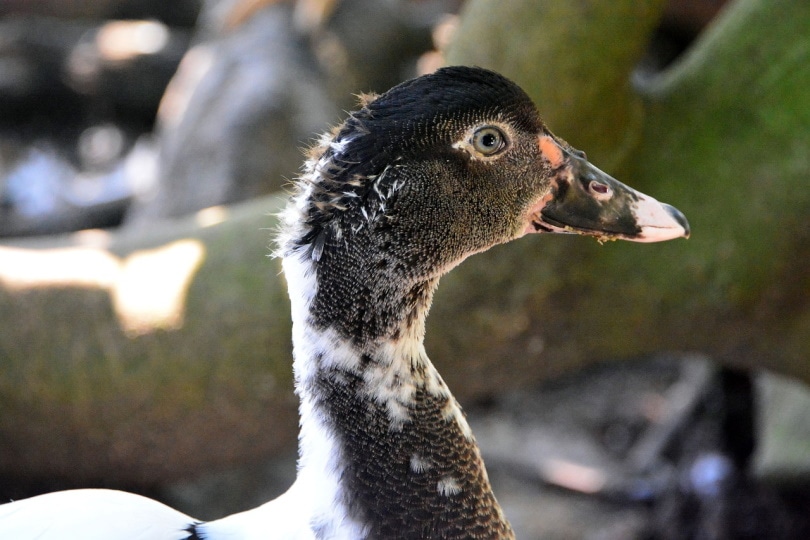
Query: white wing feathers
pixel 92 514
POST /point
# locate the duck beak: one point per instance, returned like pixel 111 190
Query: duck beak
pixel 585 200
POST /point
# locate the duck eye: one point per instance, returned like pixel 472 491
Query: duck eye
pixel 488 140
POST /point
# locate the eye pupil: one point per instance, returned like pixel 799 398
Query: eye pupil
pixel 489 140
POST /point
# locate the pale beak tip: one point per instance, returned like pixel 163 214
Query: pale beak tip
pixel 660 222
pixel 680 219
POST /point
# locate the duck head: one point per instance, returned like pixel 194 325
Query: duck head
pixel 432 171
pixel 450 164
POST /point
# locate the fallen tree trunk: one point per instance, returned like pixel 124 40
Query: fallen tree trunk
pixel 722 135
pixel 98 384
pixel 148 355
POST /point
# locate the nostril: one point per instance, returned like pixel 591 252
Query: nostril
pixel 600 190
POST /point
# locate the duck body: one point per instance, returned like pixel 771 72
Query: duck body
pixel 437 169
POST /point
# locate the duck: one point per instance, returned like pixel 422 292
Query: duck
pixel 417 179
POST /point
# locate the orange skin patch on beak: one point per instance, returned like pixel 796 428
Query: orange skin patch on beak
pixel 551 151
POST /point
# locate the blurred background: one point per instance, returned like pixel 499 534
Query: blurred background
pixel 617 392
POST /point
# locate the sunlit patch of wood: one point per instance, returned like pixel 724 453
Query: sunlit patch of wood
pixel 148 288
pixel 213 215
pixel 573 476
pixel 123 40
pixel 151 288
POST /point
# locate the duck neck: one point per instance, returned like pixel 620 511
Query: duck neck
pixel 385 450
